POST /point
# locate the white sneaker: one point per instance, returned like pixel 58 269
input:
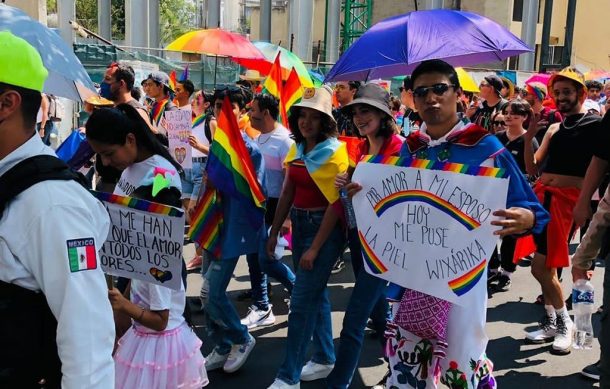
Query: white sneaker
pixel 214 360
pixel 314 371
pixel 547 331
pixel 238 355
pixel 563 338
pixel 258 317
pixel 279 384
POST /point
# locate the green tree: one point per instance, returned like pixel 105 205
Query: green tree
pixel 176 18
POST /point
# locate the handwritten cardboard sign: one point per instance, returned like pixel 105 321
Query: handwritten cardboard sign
pixel 144 241
pixel 425 225
pixel 178 126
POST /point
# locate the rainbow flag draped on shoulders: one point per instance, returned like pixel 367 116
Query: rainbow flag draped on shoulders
pixel 323 163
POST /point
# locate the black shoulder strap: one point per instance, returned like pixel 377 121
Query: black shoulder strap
pixel 31 171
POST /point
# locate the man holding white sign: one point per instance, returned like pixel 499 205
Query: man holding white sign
pixel 426 222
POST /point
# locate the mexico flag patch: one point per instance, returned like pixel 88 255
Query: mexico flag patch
pixel 81 254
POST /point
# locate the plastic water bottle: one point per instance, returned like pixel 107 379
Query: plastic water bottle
pixel 582 304
pixel 350 216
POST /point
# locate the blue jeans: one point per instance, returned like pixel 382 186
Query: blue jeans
pixel 309 305
pixel 224 326
pixel 260 266
pixel 366 295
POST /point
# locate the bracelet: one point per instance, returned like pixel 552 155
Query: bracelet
pixel 139 319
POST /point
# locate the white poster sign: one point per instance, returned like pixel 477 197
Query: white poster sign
pixel 178 126
pixel 425 227
pixel 144 241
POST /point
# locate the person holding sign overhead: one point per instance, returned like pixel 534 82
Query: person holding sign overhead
pixel 434 340
pixel 56 326
pixel 159 350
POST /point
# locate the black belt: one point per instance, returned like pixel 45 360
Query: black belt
pixel 306 212
pixel 200 159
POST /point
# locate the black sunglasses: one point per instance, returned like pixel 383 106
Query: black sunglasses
pixel 498 123
pixel 437 89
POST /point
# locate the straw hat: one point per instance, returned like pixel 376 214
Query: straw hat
pixel 373 95
pixel 319 99
pixel 99 101
pixel 252 75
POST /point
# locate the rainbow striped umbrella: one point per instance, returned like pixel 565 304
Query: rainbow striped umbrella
pixel 597 74
pixel 288 60
pixel 216 42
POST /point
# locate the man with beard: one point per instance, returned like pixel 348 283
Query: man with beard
pixel 117 85
pixel 558 188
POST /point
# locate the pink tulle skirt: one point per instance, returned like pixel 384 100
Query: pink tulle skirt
pixel 162 360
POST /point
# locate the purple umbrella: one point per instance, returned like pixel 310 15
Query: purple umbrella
pixel 396 45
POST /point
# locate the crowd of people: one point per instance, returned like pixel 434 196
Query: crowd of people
pixel 133 334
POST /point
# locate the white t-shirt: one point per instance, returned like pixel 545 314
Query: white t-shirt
pixel 199 133
pixel 143 173
pixel 159 298
pixel 274 147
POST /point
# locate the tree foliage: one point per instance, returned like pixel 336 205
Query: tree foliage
pixel 175 17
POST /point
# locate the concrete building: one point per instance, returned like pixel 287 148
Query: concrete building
pixel 587 51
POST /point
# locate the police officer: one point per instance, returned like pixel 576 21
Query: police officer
pixel 56 323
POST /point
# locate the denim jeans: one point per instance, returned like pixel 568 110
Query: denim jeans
pixel 379 313
pixel 258 282
pixel 275 267
pixel 309 305
pixel 224 326
pixel 367 293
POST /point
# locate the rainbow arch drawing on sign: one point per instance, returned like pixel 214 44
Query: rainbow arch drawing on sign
pixel 415 195
pixel 370 258
pixel 464 283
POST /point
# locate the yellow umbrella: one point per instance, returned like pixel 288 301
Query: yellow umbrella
pixel 467 83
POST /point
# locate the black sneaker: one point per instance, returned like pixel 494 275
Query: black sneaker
pixel 503 283
pixel 591 371
pixel 492 277
pixel 338 266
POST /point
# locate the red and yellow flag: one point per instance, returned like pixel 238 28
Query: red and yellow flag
pixel 273 82
pixel 292 91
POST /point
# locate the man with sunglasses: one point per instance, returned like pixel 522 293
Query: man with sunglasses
pixel 567 149
pixel 491 93
pixel 445 137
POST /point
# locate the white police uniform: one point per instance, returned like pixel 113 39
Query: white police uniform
pixel 40 230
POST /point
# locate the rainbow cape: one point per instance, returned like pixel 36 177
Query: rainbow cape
pixel 323 163
pixel 158 110
pixel 197 120
pixel 230 168
pixel 206 222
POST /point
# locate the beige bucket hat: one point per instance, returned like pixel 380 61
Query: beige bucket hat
pixel 320 99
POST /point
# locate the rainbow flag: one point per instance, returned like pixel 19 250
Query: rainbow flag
pixel 206 222
pixel 273 82
pixel 172 80
pixel 230 168
pixel 292 92
pixel 185 74
pixel 353 148
pixel 157 111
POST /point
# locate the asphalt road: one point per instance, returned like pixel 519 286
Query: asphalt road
pixel 510 315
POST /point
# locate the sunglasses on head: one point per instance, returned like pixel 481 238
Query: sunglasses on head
pixel 437 89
